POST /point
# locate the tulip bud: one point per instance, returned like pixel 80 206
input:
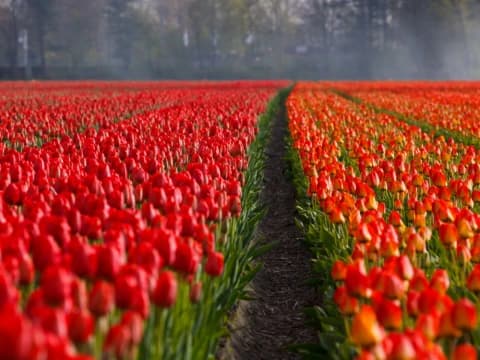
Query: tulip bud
pixel 389 314
pixel 419 281
pixel 101 298
pixel 404 267
pixel 465 352
pixel 464 228
pixel 195 292
pixel 447 328
pixel 464 315
pixel 402 348
pixel 347 305
pixel 56 284
pixel 448 234
pixel 365 330
pixel 134 323
pixel 428 325
pixel 440 281
pixel 186 258
pixel 357 282
pixel 339 270
pixel 214 266
pixel 394 287
pixel 463 254
pixel 117 342
pixel 165 292
pixel 473 280
pixel 80 326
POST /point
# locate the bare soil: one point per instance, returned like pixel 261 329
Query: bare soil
pixel 264 327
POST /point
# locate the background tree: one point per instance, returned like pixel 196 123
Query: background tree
pixel 243 38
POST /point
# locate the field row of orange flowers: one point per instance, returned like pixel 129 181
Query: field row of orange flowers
pixel 393 217
pixel 448 106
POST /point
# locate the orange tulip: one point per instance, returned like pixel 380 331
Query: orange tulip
pixel 339 270
pixel 448 234
pixel 473 280
pixel 464 315
pixel 447 327
pixel 366 331
pixel 464 228
pixel 440 281
pixel 428 325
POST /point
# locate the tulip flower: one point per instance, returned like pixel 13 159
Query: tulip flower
pixel 464 315
pixel 464 352
pixel 214 265
pixel 389 314
pixel 366 331
pixel 448 234
pixel 165 292
pixel 339 270
pixel 357 282
pixel 101 298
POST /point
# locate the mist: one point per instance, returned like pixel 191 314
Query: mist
pixel 239 39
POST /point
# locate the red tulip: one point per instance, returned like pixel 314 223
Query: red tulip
pixel 195 292
pixel 347 305
pixel 109 262
pixel 357 282
pixel 84 259
pixel 214 265
pixel 45 252
pixel 134 323
pixel 428 325
pixel 186 258
pixel 80 326
pixel 389 314
pixel 165 292
pixel 464 315
pixel 402 348
pixel 56 284
pixel 18 338
pixel 101 298
pixel 464 352
pixel 117 342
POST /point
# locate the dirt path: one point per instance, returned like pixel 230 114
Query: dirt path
pixel 262 328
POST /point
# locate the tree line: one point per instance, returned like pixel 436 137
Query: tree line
pixel 332 39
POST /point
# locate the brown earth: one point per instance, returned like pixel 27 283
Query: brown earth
pixel 264 327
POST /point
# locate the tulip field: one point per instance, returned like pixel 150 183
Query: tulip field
pixel 126 212
pixel 129 213
pixel 389 189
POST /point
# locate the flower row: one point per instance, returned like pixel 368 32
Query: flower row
pixel 401 207
pixel 108 238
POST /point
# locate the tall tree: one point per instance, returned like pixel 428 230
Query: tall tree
pixel 119 25
pixel 38 18
pixel 9 29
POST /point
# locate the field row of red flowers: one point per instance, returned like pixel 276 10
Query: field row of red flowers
pixel 112 238
pixel 393 217
pixel 46 114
